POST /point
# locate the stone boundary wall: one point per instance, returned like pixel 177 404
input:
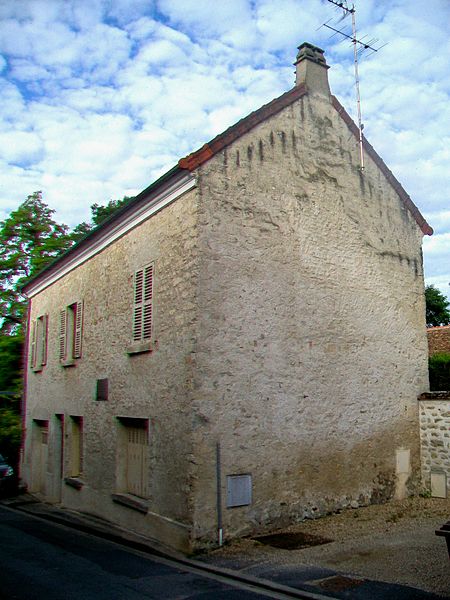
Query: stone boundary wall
pixel 434 410
pixel 438 339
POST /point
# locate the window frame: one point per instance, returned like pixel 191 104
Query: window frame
pixel 71 333
pixel 76 466
pixel 133 447
pixel 143 310
pixel 39 343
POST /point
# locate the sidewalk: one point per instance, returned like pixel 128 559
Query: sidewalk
pixel 393 543
pixel 387 552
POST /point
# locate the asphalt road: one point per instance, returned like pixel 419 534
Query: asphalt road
pixel 42 560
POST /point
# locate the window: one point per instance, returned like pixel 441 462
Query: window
pixel 143 304
pixel 39 464
pixel 70 333
pixel 132 476
pixel 76 449
pixel 39 334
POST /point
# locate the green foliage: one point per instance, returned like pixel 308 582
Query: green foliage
pixel 437 307
pixel 99 214
pixel 439 369
pixel 10 363
pixel 10 434
pixel 29 239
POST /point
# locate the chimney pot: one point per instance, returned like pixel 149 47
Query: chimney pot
pixel 311 69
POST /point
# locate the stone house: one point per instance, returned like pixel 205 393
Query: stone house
pixel 240 346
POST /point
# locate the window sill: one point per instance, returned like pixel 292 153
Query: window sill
pixel 37 369
pixel 70 362
pixel 74 482
pixel 132 502
pixel 139 348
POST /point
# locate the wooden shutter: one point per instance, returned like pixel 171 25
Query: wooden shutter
pixel 137 461
pixel 147 309
pixel 63 334
pixel 44 339
pixel 77 446
pixel 137 310
pixel 78 327
pixel 143 304
pixel 33 344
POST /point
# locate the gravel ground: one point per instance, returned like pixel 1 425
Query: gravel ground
pixel 393 542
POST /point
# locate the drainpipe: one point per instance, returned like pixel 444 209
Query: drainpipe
pixel 219 496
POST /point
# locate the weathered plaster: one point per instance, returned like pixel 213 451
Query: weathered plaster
pixel 312 346
pixel 156 385
pixel 289 318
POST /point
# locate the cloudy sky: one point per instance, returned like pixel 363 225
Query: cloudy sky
pixel 99 97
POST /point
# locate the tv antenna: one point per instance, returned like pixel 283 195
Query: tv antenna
pixel 359 46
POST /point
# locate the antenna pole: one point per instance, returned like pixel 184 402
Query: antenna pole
pixel 358 96
pixel 342 4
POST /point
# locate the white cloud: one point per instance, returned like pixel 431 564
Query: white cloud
pixel 101 96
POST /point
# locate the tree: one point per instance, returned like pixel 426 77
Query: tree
pixel 10 393
pixel 439 370
pixel 437 307
pixel 99 214
pixel 11 347
pixel 29 239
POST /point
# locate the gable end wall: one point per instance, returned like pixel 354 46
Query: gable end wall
pixel 312 346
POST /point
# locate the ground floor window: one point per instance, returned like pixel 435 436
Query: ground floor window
pixel 40 456
pixel 132 463
pixel 76 448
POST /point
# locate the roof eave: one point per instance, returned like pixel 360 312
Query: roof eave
pixel 109 223
pixel 369 149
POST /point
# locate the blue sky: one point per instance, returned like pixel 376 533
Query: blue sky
pixel 100 97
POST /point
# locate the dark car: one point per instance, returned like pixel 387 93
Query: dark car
pixel 7 478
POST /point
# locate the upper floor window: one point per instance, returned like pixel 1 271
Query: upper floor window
pixel 143 304
pixel 70 333
pixel 39 334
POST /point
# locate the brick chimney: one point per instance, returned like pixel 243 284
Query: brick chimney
pixel 311 69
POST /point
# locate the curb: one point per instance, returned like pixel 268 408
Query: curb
pixel 34 507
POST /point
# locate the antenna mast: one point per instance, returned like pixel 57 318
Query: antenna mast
pixel 358 47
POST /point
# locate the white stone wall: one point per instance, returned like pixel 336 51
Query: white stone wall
pixel 312 346
pixel 156 386
pixel 435 436
pixel 290 328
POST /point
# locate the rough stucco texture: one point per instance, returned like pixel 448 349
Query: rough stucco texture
pixel 312 347
pixel 155 385
pixel 289 326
